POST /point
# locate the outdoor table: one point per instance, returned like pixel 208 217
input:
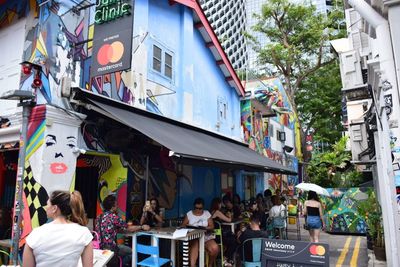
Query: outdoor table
pixel 233 224
pixel 101 257
pixel 168 233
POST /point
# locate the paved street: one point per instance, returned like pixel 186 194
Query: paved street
pixel 345 250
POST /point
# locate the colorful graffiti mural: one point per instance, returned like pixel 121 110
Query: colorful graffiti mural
pixel 11 11
pixel 112 178
pixel 50 162
pixel 271 95
pixel 341 214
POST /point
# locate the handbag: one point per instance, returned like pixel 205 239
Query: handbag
pixel 96 240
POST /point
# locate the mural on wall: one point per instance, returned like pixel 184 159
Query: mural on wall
pixel 11 11
pixel 51 44
pixel 341 210
pixel 112 178
pixel 50 162
pixel 271 94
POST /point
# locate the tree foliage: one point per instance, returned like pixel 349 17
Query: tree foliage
pixel 333 168
pixel 297 48
pixel 319 105
pixel 297 40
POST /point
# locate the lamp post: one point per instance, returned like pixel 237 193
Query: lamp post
pixel 26 101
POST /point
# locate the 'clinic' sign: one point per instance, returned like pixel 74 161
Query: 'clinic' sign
pixel 285 253
pixel 112 42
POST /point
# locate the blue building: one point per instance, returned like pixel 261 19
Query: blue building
pixel 167 125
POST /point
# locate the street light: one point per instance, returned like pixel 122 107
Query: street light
pixel 26 100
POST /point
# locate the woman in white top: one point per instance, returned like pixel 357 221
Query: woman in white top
pixel 63 241
pixel 202 218
pixel 277 214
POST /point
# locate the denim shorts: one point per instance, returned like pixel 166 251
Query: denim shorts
pixel 314 222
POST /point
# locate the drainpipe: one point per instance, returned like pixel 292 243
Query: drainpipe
pixel 384 154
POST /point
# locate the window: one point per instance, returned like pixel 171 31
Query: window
pixel 163 61
pixel 157 58
pixel 168 65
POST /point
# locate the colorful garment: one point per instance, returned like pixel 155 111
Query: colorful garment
pixel 108 225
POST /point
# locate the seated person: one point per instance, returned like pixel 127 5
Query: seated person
pixel 108 224
pixel 200 217
pixel 255 208
pixel 229 209
pixel 267 200
pixel 216 212
pixel 151 214
pixel 228 238
pixel 252 231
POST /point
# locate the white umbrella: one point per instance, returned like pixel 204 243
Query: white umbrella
pixel 313 187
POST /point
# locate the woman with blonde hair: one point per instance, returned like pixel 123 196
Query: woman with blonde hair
pixel 64 240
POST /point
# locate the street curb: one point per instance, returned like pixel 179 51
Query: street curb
pixel 372 262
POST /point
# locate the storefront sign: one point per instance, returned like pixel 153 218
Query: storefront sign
pixel 110 10
pixel 287 253
pixel 112 42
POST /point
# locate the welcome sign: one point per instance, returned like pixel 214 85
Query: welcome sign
pixel 285 253
pixel 112 42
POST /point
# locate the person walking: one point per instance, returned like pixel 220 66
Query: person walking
pixel 201 218
pixel 64 240
pixel 108 224
pixel 314 216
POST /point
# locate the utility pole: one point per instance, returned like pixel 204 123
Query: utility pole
pixel 26 100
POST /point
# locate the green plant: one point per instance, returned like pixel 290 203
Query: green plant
pixel 372 213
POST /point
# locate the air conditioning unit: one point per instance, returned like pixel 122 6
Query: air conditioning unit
pixel 281 136
pixel 354 21
pixel 358 141
pixel 350 70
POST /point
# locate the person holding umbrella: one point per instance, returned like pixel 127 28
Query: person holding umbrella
pixel 314 216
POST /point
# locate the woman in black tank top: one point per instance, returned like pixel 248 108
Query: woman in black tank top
pixel 314 216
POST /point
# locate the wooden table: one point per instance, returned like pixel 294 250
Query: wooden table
pixel 233 224
pixel 168 233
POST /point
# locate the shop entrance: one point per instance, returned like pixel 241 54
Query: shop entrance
pixel 87 182
pixel 249 186
pixel 8 174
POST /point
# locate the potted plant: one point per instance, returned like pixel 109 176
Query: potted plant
pixel 371 211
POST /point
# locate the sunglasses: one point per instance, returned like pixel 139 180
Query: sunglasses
pixel 198 208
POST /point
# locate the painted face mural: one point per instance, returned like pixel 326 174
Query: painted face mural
pixel 57 164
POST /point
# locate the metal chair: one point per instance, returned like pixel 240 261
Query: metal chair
pixel 153 252
pixel 251 252
pixel 218 240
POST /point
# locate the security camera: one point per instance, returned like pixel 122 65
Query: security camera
pixel 287 149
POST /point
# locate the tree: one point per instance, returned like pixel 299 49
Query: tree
pixel 297 42
pixel 333 168
pixel 319 105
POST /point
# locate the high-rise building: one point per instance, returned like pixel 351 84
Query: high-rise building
pixel 254 7
pixel 231 18
pixel 228 19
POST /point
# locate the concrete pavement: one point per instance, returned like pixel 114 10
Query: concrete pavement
pixel 344 250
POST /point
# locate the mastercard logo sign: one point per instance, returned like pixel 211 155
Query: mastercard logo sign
pixel 317 250
pixel 110 53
